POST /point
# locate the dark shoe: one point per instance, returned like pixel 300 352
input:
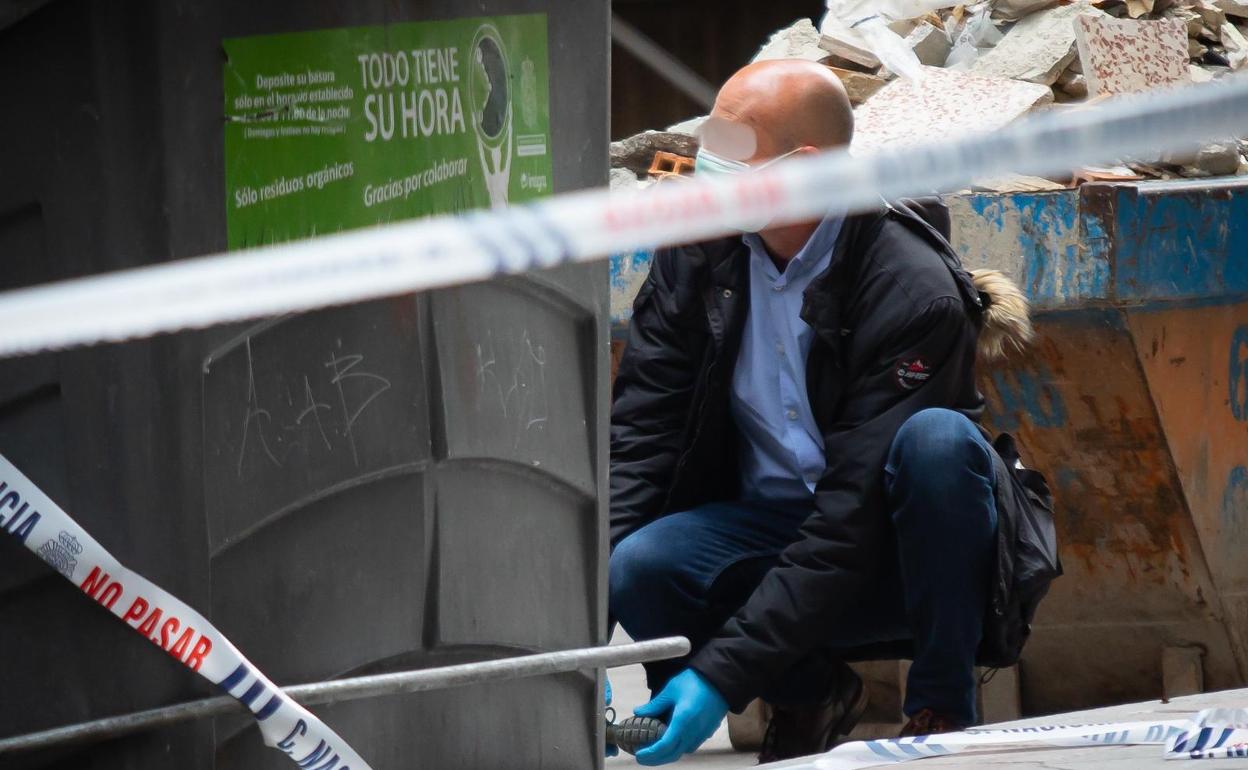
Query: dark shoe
pixel 799 731
pixel 928 722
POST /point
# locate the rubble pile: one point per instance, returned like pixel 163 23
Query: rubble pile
pixel 983 65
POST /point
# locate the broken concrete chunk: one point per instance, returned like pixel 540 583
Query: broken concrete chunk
pixel 1104 174
pixel 903 27
pixel 1125 56
pixel 1222 159
pixel 1010 10
pixel 1016 183
pixel 1219 159
pixel 1235 44
pixel 1038 48
pixel 1213 16
pixel 1150 170
pixel 798 41
pixel 929 44
pixel 859 85
pixel 1232 8
pixel 838 39
pixel 623 179
pixel 1073 84
pixel 1190 18
pixel 1138 8
pixel 1193 172
pixel 636 153
pixel 1201 74
pixel 945 104
pixel 1195 50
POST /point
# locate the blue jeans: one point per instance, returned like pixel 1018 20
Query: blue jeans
pixel 687 573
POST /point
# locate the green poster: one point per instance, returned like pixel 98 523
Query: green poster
pixel 336 129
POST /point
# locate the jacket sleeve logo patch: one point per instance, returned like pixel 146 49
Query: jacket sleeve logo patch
pixel 913 372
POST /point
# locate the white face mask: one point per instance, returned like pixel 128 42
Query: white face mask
pixel 707 162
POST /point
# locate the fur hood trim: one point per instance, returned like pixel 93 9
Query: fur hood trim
pixel 1007 322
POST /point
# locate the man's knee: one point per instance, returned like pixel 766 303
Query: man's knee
pixel 641 565
pixel 936 440
pixel 936 451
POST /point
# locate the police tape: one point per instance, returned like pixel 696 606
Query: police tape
pixel 34 520
pixel 578 227
pixel 1210 734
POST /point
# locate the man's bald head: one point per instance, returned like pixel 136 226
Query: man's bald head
pixel 788 103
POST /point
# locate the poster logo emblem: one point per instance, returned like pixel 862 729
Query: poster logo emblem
pixel 489 99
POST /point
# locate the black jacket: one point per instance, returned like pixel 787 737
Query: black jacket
pixel 896 320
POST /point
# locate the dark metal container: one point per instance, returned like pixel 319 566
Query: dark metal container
pixel 448 504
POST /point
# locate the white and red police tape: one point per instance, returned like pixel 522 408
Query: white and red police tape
pixel 1210 734
pixel 579 227
pixel 33 519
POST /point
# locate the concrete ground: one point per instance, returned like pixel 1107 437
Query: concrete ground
pixel 1087 758
pixel 630 690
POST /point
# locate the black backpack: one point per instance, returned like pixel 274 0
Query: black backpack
pixel 1027 560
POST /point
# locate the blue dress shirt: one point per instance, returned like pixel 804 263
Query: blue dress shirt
pixel 782 450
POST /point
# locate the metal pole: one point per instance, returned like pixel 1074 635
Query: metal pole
pixel 663 62
pixel 361 687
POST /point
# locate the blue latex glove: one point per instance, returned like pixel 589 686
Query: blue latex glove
pixel 612 749
pixel 692 708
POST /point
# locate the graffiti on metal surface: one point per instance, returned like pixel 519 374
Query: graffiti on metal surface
pixel 520 390
pixel 1030 393
pixel 1238 379
pixel 348 364
pixel 311 408
pixel 356 389
pixel 254 412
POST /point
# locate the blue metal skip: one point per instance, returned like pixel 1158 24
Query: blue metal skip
pixel 1125 243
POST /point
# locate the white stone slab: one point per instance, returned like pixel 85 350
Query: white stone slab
pixel 1037 48
pixel 797 41
pixel 945 104
pixel 1122 56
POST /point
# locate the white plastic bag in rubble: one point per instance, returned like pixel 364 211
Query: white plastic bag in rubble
pixel 870 19
pixel 976 33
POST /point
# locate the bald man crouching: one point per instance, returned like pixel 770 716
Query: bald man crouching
pixel 797 474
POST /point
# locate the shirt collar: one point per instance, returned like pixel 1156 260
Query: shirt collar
pixel 816 249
